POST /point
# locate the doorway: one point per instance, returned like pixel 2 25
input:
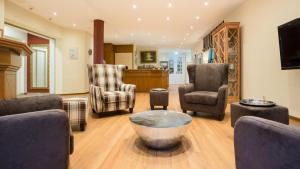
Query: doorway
pixel 38 65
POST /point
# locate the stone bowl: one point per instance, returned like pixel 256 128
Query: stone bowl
pixel 160 129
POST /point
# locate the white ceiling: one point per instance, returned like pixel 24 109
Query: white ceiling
pixel 122 25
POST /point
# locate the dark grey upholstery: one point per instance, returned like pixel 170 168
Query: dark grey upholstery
pixel 159 98
pixel 34 133
pixel 207 91
pixel 277 113
pixel 265 144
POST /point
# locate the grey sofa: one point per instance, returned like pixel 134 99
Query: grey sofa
pixel 34 133
pixel 265 144
pixel 207 91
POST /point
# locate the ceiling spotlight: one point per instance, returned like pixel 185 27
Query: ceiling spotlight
pixel 139 19
pixel 197 17
pixel 184 39
pixel 176 53
pixel 206 3
pixel 54 13
pixel 191 27
pixel 170 5
pixel 134 6
pixel 168 18
pixel 74 25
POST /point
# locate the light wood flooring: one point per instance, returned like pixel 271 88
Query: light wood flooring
pixel 109 142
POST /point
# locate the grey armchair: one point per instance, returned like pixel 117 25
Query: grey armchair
pixel 34 133
pixel 265 144
pixel 207 91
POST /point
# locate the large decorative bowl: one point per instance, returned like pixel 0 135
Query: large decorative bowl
pixel 160 129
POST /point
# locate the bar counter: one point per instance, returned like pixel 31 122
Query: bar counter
pixel 147 79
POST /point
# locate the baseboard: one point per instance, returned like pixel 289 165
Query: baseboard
pixel 294 118
pixel 71 94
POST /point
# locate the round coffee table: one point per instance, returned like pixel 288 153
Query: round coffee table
pixel 160 129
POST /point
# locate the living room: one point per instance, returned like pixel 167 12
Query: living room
pixel 133 87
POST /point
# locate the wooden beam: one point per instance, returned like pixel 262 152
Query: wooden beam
pixel 98 41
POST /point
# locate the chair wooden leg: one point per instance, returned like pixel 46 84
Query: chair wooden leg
pixel 152 107
pixel 165 107
pixel 184 111
pixel 221 117
pixel 130 110
pixel 82 127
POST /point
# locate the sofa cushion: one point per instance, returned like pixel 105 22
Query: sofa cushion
pixel 116 96
pixel 201 97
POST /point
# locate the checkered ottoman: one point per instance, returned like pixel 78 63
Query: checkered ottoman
pixel 76 109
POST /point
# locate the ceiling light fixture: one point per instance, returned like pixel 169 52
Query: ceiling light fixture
pixel 176 53
pixel 168 18
pixel 206 3
pixel 191 27
pixel 170 5
pixel 54 13
pixel 139 19
pixel 74 25
pixel 197 17
pixel 134 6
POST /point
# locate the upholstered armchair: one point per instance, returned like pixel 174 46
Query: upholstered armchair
pixel 107 90
pixel 265 144
pixel 34 133
pixel 207 91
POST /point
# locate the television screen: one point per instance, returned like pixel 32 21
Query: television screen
pixel 289 40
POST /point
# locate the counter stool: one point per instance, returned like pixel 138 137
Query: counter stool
pixel 159 97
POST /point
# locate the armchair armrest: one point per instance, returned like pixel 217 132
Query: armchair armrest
pixel 96 98
pixel 222 96
pixel 30 104
pixel 264 144
pixel 186 89
pixel 35 140
pixel 127 87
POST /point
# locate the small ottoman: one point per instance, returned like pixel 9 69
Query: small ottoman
pixel 276 113
pixel 159 97
pixel 76 110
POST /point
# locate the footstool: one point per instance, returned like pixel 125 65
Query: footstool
pixel 76 109
pixel 276 113
pixel 159 97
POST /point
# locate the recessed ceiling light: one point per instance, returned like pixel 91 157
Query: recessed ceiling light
pixel 134 6
pixel 184 39
pixel 206 3
pixel 139 19
pixel 191 27
pixel 170 5
pixel 168 18
pixel 176 53
pixel 74 25
pixel 197 17
pixel 54 13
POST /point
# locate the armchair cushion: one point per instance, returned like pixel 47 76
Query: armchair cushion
pixel 202 97
pixel 116 96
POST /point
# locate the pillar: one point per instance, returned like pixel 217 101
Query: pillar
pixel 98 41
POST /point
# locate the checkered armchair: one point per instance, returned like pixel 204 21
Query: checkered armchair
pixel 107 90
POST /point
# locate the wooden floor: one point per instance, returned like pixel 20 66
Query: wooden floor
pixel 110 142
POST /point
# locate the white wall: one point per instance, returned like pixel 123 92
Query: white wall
pixel 2 14
pixel 261 74
pixel 67 72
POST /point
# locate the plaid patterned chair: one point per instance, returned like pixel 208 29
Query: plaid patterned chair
pixel 107 90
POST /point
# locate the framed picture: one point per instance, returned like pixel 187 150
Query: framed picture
pixel 148 57
pixel 164 64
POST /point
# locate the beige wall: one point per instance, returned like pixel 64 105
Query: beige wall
pixel 70 75
pixel 1 15
pixel 261 73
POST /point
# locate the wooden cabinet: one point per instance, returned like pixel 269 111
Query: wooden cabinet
pixel 227 49
pixel 147 79
pixel 109 54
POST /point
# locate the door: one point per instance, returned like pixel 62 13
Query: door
pixel 39 69
pixel 177 65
